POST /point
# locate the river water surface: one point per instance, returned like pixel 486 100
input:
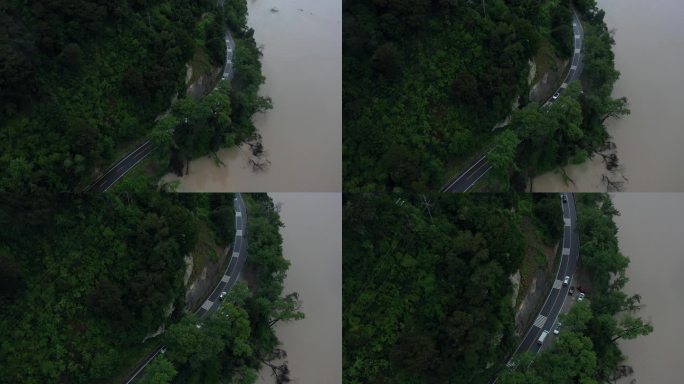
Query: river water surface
pixel 649 53
pixel 650 234
pixel 302 134
pixel 312 241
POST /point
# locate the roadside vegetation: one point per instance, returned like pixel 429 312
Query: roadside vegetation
pixel 421 97
pixel 82 83
pixel 236 341
pixel 586 350
pixel 84 280
pixel 572 130
pixel 427 293
pixel 425 82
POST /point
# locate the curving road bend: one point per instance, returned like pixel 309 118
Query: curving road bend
pixel 123 166
pixel 228 280
pixel 478 168
pixel 548 315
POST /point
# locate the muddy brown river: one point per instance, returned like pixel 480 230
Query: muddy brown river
pixel 312 241
pixel 651 234
pixel 649 53
pixel 302 134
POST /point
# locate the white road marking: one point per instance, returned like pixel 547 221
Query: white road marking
pixel 143 367
pixel 466 172
pixel 207 305
pixel 484 164
pixel 128 170
pixel 476 180
pixel 541 319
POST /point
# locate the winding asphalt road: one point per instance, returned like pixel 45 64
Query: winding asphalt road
pixel 479 167
pixel 123 166
pixel 548 315
pixel 228 280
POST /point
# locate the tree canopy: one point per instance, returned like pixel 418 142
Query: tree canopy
pixel 83 81
pixel 90 277
pixel 429 79
pixel 84 280
pixel 424 83
pixel 586 350
pixel 426 289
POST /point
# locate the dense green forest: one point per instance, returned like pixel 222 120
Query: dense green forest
pixel 586 350
pixel 83 280
pixel 82 82
pixel 426 289
pixel 427 295
pixel 426 81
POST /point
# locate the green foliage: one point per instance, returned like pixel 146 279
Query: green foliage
pixel 84 79
pixel 234 342
pixel 571 361
pixel 427 295
pixel 573 129
pixel 160 371
pixel 93 75
pixel 223 339
pixel 266 307
pixel 502 156
pixel 86 278
pixel 586 350
pixel 424 82
pixel 421 94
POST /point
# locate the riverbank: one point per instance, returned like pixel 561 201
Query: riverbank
pixel 649 157
pixel 301 45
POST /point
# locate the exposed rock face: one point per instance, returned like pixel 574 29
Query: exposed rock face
pixel 534 297
pixel 156 333
pixel 515 280
pixel 548 84
pixel 205 281
pixel 188 269
pixel 533 72
pixel 204 84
